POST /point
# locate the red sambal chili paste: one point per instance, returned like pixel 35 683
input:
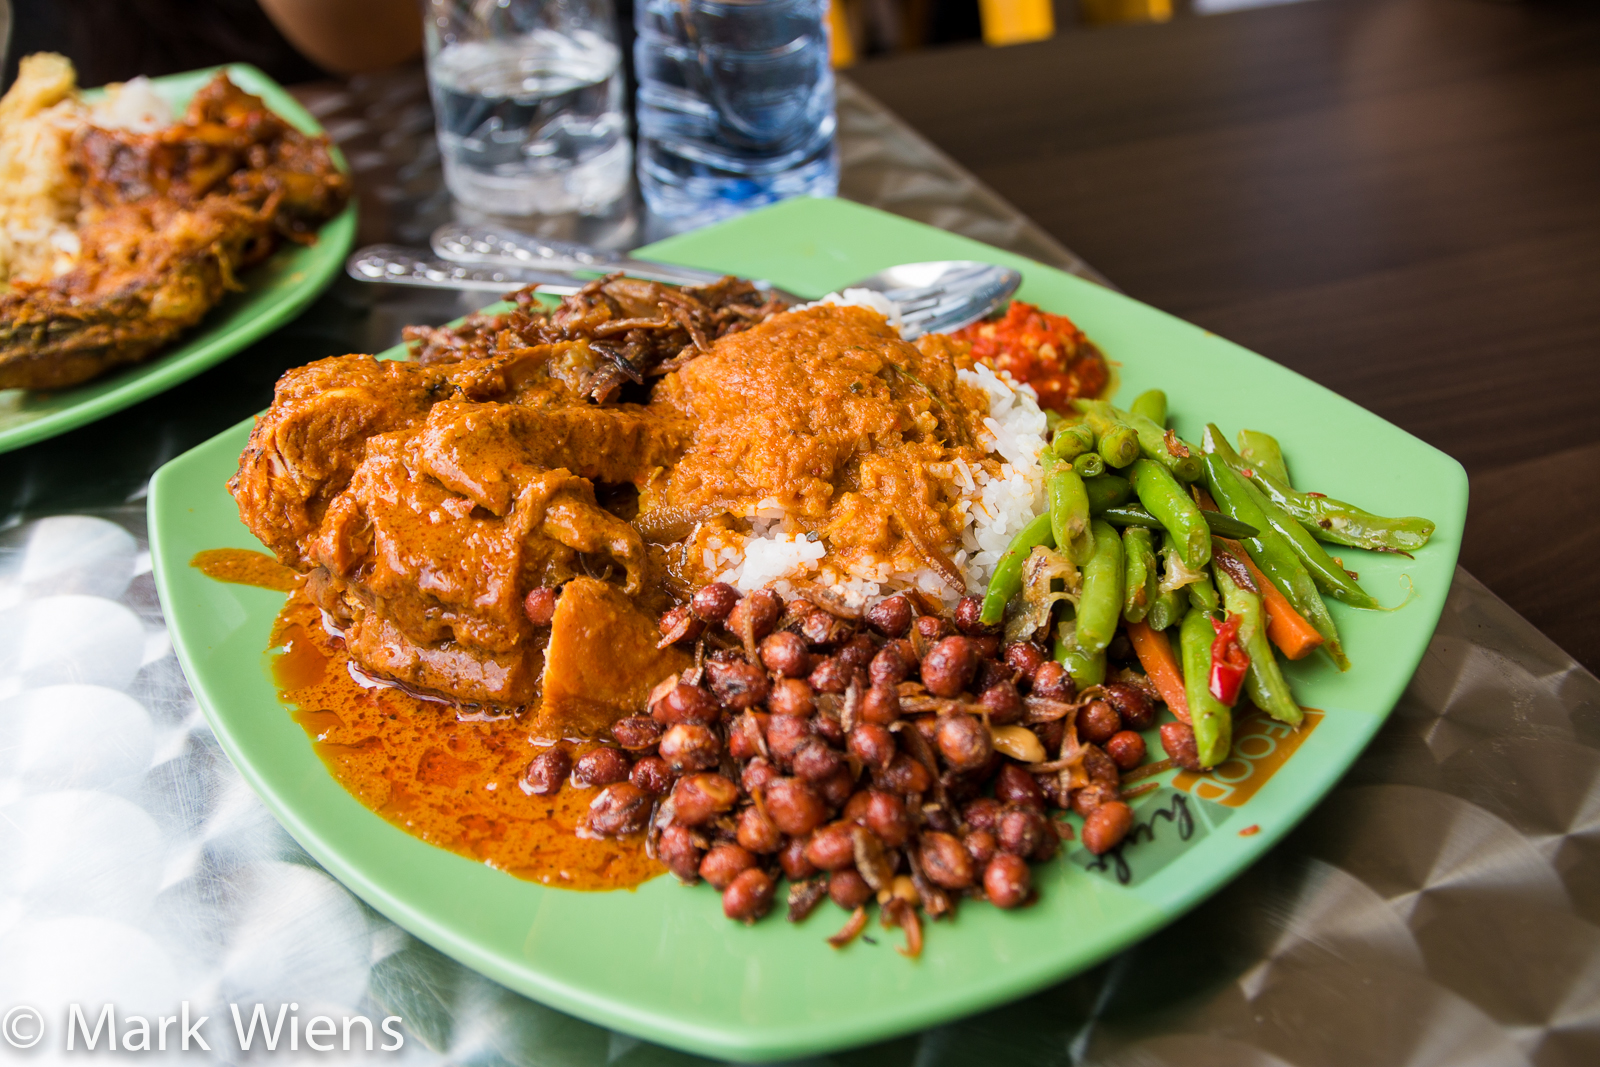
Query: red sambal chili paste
pixel 1047 351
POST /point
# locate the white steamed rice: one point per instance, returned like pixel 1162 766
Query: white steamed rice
pixel 996 508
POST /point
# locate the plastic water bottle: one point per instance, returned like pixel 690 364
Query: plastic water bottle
pixel 527 96
pixel 735 105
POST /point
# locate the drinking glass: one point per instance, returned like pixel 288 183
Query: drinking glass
pixel 527 96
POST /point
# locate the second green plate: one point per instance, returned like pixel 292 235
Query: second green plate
pixel 274 292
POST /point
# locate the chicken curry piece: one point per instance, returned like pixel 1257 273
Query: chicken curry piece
pixel 428 501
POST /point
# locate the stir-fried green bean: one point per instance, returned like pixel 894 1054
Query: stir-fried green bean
pixel 1170 502
pixel 1069 513
pixel 1152 404
pixel 1211 719
pixel 1265 684
pixel 1006 582
pixel 1141 578
pixel 1072 440
pixel 1106 491
pixel 1153 444
pixel 1100 601
pixel 1325 518
pixel 1132 515
pixel 1339 523
pixel 1085 668
pixel 1261 452
pixel 1329 576
pixel 1089 465
pixel 1117 442
pixel 1170 604
pixel 1168 609
pixel 1203 594
pixel 1272 552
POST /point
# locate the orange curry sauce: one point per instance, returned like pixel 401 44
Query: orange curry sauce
pixel 243 566
pixel 453 783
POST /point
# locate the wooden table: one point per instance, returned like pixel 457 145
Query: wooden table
pixel 1397 198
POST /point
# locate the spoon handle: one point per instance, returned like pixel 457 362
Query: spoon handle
pixel 491 246
pixel 394 265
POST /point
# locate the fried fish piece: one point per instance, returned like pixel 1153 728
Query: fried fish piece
pixel 168 220
pixel 150 270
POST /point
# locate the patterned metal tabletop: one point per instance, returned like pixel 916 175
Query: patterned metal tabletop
pixel 1441 907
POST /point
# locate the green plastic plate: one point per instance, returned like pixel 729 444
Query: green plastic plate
pixel 661 962
pixel 274 292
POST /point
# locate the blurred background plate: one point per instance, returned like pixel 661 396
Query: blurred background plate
pixel 661 962
pixel 274 292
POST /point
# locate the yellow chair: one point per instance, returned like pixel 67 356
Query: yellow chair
pixel 1100 12
pixel 841 49
pixel 1016 21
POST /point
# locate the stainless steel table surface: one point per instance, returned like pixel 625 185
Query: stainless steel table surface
pixel 1442 906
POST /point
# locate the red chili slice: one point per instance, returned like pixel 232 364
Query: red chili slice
pixel 1229 661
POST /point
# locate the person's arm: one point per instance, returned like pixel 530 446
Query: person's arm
pixel 349 36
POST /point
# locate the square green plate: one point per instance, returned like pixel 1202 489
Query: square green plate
pixel 661 962
pixel 274 292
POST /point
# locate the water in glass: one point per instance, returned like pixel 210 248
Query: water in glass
pixel 735 105
pixel 529 116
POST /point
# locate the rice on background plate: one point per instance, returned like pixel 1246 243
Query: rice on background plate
pixel 39 190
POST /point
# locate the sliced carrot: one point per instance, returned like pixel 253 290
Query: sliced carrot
pixel 1155 655
pixel 1287 628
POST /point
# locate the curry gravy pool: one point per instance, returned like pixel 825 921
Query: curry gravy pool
pixel 244 566
pixel 452 783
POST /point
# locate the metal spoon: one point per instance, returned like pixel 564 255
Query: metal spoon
pixel 944 294
pixel 934 296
